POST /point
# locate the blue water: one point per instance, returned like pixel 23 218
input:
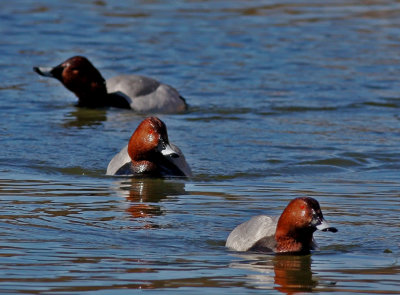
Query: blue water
pixel 287 99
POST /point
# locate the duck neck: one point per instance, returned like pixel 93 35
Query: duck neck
pixel 144 167
pixel 299 241
pixel 99 100
pixel 159 167
pixel 95 96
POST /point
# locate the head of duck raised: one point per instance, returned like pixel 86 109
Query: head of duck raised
pixel 150 150
pixel 295 228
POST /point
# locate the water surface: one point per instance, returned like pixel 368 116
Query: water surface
pixel 287 99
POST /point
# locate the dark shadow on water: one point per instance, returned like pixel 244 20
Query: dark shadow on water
pixel 83 117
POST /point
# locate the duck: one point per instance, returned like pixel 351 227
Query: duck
pixel 139 93
pixel 292 232
pixel 149 153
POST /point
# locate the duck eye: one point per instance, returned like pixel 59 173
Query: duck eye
pixel 161 146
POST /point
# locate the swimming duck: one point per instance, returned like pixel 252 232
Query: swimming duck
pixel 139 93
pixel 292 232
pixel 149 153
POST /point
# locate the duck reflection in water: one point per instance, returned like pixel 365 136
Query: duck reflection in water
pixel 293 274
pixel 144 194
pixel 288 274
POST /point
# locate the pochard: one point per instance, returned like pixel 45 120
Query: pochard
pixel 149 153
pixel 292 232
pixel 139 93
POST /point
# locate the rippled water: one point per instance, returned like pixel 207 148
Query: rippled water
pixel 287 99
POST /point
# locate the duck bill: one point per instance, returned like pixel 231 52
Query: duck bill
pixel 167 151
pixel 170 161
pixel 44 71
pixel 324 226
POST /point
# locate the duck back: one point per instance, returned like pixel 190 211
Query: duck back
pixel 245 236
